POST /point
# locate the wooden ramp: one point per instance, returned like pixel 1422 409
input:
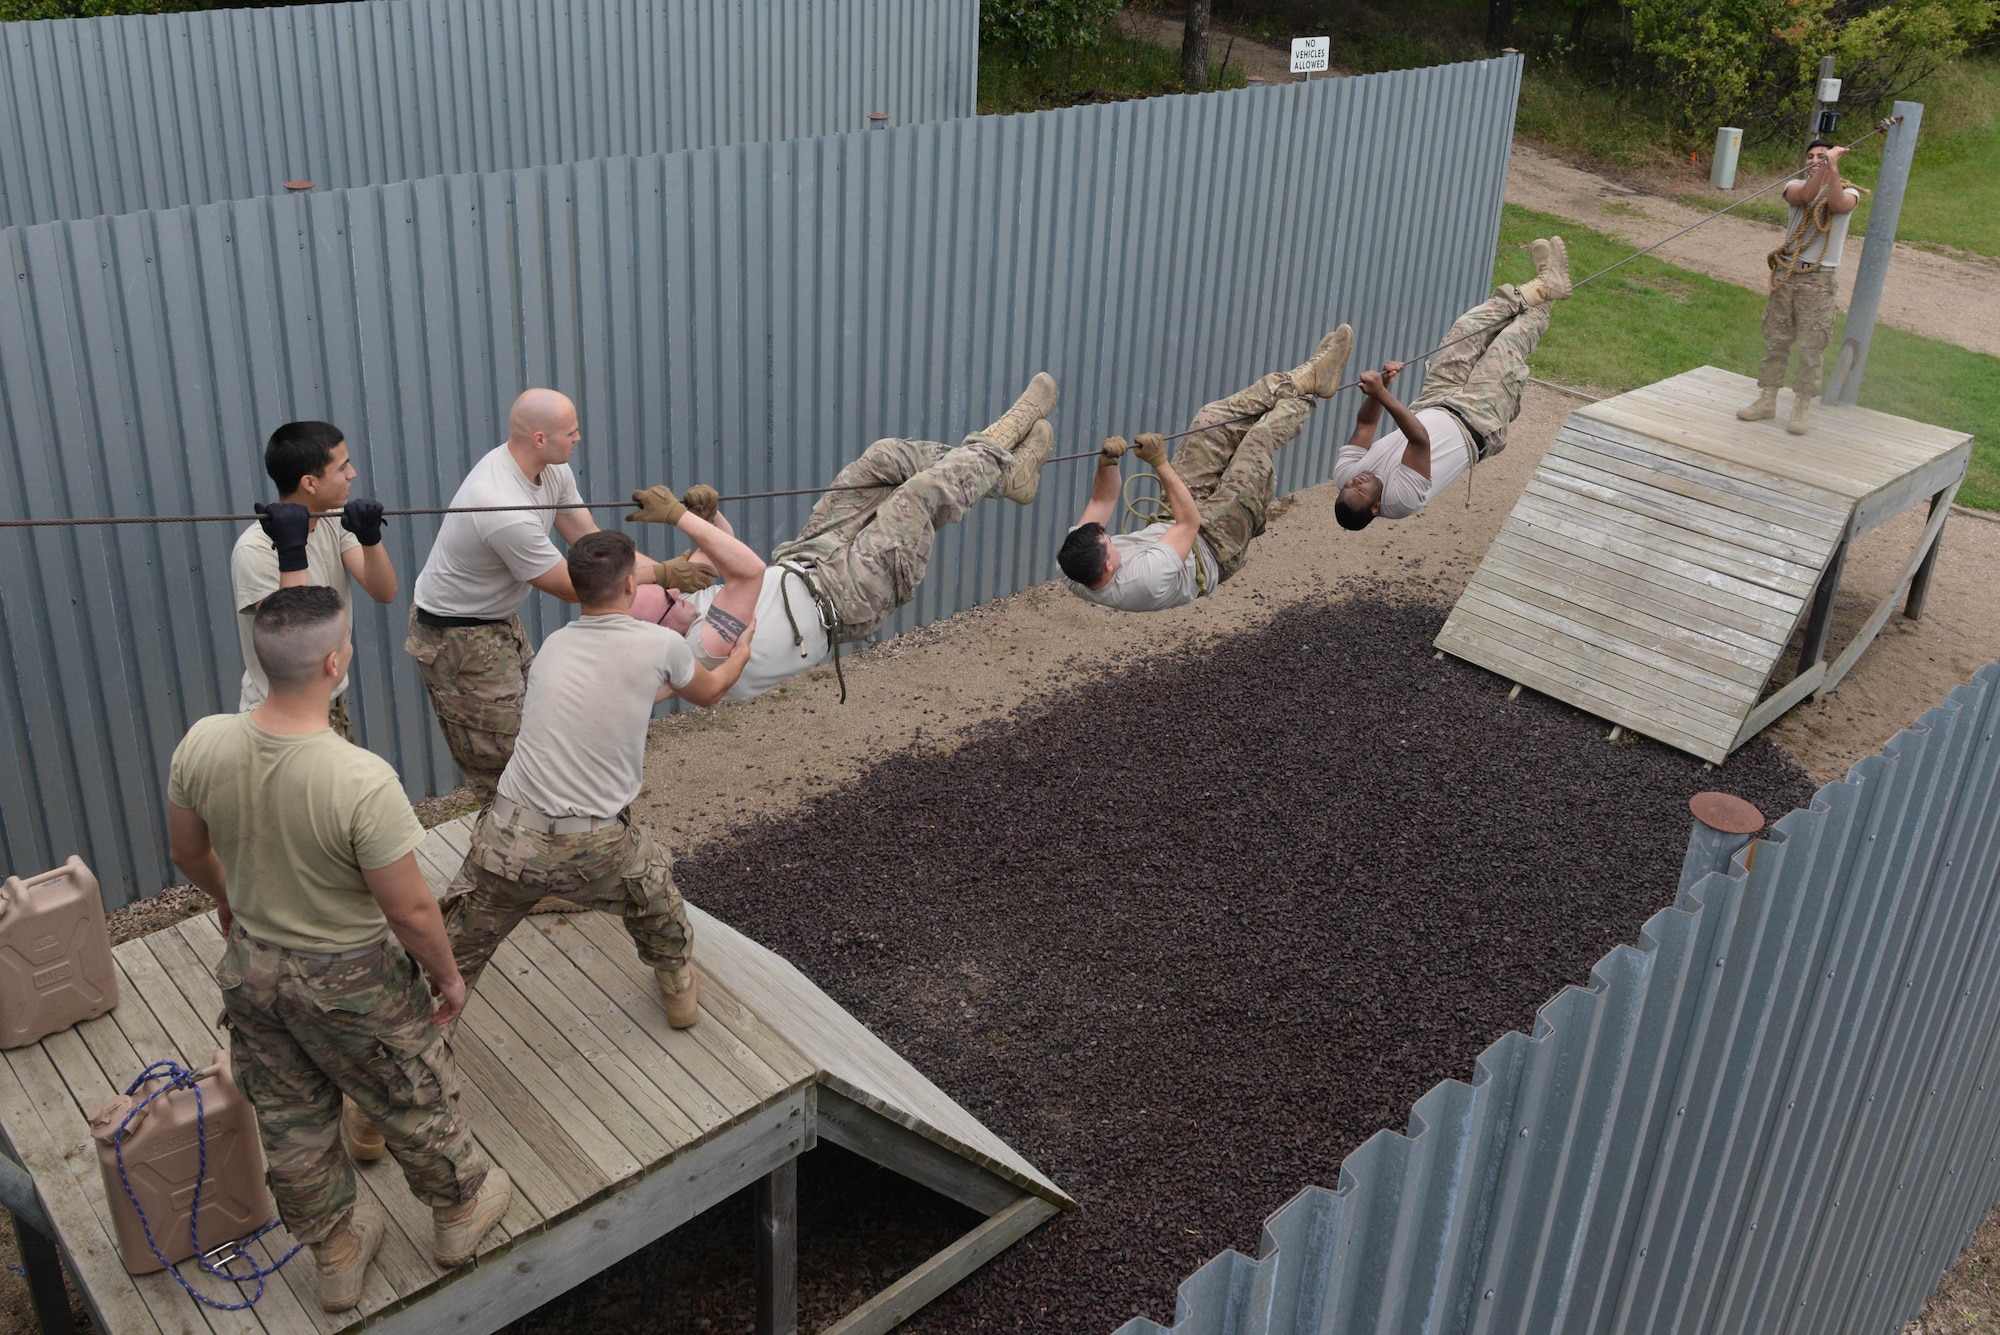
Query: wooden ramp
pixel 1665 553
pixel 614 1127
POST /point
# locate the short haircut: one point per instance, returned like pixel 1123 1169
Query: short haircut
pixel 1352 517
pixel 1083 557
pixel 293 632
pixel 1819 143
pixel 299 450
pixel 598 565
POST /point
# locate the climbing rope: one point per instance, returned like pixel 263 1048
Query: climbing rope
pixel 176 1077
pixel 1815 224
pixel 1881 128
pixel 1148 510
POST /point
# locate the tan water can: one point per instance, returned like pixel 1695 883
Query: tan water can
pixel 162 1155
pixel 55 955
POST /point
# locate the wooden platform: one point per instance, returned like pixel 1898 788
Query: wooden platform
pixel 614 1127
pixel 1665 553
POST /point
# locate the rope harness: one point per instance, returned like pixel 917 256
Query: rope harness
pixel 176 1077
pixel 1146 511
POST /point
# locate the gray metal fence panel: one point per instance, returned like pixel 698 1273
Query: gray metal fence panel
pixel 115 115
pixel 750 316
pixel 1780 1112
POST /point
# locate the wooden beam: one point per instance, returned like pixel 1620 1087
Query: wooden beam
pixel 879 1140
pixel 1866 635
pixel 1920 585
pixel 901 1300
pixel 42 1265
pixel 1788 695
pixel 1820 620
pixel 778 1250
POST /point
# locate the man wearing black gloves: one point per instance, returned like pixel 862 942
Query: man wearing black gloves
pixel 288 547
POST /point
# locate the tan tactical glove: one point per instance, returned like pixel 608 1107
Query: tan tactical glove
pixel 657 505
pixel 702 501
pixel 1112 450
pixel 1152 447
pixel 683 574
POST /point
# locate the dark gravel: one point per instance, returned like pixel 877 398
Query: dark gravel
pixel 1191 933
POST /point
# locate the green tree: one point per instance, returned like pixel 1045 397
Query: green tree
pixel 1040 26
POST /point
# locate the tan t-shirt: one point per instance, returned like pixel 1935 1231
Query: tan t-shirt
pixel 1404 490
pixel 1150 578
pixel 582 746
pixel 295 821
pixel 253 575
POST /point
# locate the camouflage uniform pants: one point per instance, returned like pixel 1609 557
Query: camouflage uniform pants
pixel 1799 314
pixel 305 1029
pixel 1229 466
pixel 477 678
pixel 1480 376
pixel 872 545
pixel 620 868
pixel 336 717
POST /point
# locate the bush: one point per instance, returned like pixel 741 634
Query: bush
pixel 1040 26
pixel 1752 62
pixel 13 11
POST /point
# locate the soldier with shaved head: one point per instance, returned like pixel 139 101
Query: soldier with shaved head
pixel 465 631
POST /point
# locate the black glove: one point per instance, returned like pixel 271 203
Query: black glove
pixel 364 520
pixel 286 525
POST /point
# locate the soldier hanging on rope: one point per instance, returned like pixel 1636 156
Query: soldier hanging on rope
pixel 1804 287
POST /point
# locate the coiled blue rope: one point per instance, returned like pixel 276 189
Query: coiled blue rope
pixel 179 1077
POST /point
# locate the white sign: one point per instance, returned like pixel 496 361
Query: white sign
pixel 1310 55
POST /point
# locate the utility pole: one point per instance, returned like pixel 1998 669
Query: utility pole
pixel 1194 47
pixel 1824 119
pixel 1898 151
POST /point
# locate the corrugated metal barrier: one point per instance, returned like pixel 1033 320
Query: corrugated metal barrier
pixel 750 316
pixel 114 115
pixel 1779 1113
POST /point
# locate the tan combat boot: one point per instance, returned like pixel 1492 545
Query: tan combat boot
pixel 1037 401
pixel 1801 405
pixel 678 992
pixel 1551 280
pixel 1764 409
pixel 1022 481
pixel 460 1228
pixel 1321 373
pixel 342 1259
pixel 363 1137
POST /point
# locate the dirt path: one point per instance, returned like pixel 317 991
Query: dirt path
pixel 1955 300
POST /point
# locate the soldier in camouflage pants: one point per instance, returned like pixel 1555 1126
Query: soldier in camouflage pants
pixel 1228 462
pixel 1799 314
pixel 477 679
pixel 1479 374
pixel 509 868
pixel 301 1022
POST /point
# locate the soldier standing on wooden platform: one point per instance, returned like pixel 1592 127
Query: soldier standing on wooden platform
pixel 1804 288
pixel 561 823
pixel 863 550
pixel 465 628
pixel 1219 489
pixel 289 548
pixel 307 846
pixel 1471 396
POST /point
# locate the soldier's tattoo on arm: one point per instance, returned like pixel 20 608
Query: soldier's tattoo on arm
pixel 725 625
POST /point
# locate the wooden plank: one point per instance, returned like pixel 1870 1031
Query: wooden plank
pixel 903 1299
pixel 725 1006
pixel 1610 583
pixel 1673 473
pixel 1566 533
pixel 557 1132
pixel 437 865
pixel 1808 501
pixel 549 1262
pixel 1726 558
pixel 1909 489
pixel 874 1137
pixel 1695 516
pixel 456 835
pixel 1813 648
pixel 1869 629
pixel 1790 694
pixel 777 1223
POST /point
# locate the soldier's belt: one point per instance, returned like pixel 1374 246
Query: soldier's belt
pixel 437 622
pixel 529 819
pixel 315 956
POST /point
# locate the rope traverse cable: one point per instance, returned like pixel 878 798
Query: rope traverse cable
pixel 1881 128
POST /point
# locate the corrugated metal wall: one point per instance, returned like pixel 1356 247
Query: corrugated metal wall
pixel 114 115
pixel 1779 1113
pixel 750 316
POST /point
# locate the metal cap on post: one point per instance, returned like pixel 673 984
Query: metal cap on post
pixel 1723 824
pixel 298 187
pixel 878 120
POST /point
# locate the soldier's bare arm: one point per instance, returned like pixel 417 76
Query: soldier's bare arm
pixel 710 685
pixel 1417 441
pixel 406 901
pixel 188 843
pixel 1178 539
pixel 1104 487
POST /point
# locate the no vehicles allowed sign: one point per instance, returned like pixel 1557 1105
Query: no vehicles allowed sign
pixel 1310 55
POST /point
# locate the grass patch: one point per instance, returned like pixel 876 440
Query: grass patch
pixel 1651 320
pixel 1117 69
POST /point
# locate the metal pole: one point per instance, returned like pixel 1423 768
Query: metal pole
pixel 1812 121
pixel 1898 148
pixel 1722 825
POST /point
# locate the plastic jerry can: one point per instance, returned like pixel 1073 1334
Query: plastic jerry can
pixel 163 1152
pixel 55 956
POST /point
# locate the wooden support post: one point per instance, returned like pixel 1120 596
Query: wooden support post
pixel 1821 618
pixel 778 1250
pixel 1920 583
pixel 43 1266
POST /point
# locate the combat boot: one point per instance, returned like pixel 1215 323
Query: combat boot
pixel 460 1228
pixel 342 1258
pixel 1764 409
pixel 678 992
pixel 1796 423
pixel 1551 280
pixel 1022 481
pixel 1320 375
pixel 1037 401
pixel 363 1137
